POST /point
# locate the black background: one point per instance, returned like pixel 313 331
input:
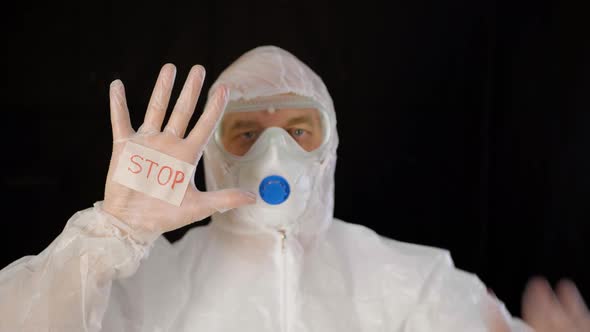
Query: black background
pixel 463 124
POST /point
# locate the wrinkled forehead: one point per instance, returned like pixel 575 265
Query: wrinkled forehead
pixel 290 102
pixel 272 103
pixel 279 117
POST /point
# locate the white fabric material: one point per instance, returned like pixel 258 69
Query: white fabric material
pixel 322 275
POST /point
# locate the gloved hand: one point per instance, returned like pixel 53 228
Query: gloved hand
pixel 146 214
pixel 563 311
pixel 545 310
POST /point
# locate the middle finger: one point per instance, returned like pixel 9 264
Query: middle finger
pixel 186 103
pixel 156 110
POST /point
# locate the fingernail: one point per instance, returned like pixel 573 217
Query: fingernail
pixel 173 73
pixel 115 83
pixel 222 92
pixel 223 210
pixel 252 196
pixel 201 70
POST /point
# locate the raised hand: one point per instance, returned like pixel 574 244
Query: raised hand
pixel 561 311
pixel 143 212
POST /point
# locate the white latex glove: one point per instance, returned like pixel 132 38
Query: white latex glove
pixel 148 215
pixel 562 311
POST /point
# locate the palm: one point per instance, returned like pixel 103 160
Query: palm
pixel 139 210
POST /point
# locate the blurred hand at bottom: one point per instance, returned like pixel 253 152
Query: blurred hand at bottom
pixel 562 310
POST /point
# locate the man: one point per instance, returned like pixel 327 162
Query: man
pixel 273 258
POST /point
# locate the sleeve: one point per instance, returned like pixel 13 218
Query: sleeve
pixel 67 286
pixel 455 300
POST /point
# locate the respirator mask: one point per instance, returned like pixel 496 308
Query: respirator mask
pixel 273 146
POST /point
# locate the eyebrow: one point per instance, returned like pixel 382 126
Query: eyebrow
pixel 300 119
pixel 241 124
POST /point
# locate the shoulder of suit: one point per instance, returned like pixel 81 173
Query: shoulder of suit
pixel 419 258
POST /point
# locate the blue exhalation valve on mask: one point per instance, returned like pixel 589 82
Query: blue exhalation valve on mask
pixel 274 189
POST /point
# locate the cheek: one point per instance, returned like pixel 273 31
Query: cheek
pixel 240 146
pixel 237 150
pixel 233 146
pixel 316 141
pixel 311 142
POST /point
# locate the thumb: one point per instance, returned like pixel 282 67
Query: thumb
pixel 221 201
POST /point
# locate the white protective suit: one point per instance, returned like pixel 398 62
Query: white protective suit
pixel 313 273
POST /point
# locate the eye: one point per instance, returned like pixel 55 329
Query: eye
pixel 248 135
pixel 297 132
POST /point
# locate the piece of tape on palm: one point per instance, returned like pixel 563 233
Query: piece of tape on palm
pixel 153 173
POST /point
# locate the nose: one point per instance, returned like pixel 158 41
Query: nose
pixel 277 135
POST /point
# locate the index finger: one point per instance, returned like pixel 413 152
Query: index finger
pixel 154 116
pixel 201 133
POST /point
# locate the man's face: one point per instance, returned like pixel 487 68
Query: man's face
pixel 240 130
